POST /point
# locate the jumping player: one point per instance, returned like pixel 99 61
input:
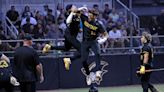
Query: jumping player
pixel 73 27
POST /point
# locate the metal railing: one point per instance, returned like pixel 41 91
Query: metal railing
pixel 109 51
pixel 133 17
pixel 13 32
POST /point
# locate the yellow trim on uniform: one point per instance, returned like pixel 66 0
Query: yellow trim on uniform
pixel 92 27
pixel 3 64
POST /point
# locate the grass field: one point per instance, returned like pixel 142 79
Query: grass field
pixel 131 88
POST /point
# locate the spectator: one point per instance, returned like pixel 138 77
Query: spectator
pixel 114 16
pixel 122 18
pixel 13 15
pixel 49 16
pixel 37 15
pixel 13 45
pixel 160 21
pixel 38 33
pixel 109 26
pixel 115 37
pixel 59 10
pixel 32 20
pixel 53 32
pixel 106 12
pixel 153 28
pixel 2 33
pixel 28 27
pixel 125 40
pixel 3 46
pixel 96 7
pixel 46 8
pixel 27 67
pixel 26 12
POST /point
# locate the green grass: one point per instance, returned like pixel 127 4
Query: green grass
pixel 131 88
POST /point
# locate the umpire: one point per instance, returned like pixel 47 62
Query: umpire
pixel 26 66
pixel 146 56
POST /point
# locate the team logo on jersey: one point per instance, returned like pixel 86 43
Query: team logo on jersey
pixel 92 66
pixel 3 64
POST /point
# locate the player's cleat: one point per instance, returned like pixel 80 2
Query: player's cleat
pixel 14 81
pixel 46 48
pixel 98 75
pixel 67 62
pixel 153 89
pixel 93 89
pixel 90 78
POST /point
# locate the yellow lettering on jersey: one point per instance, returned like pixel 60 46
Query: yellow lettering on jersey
pixel 3 64
pixel 92 27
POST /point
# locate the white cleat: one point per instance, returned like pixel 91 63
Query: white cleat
pixel 90 78
pixel 98 75
pixel 14 81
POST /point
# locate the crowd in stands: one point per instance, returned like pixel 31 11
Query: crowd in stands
pixel 46 25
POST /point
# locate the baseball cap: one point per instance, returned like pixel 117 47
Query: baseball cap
pixel 94 12
pixel 27 37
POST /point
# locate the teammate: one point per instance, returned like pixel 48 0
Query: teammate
pixel 5 73
pixel 146 56
pixel 73 27
pixel 92 29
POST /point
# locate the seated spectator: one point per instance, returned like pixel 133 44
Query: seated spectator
pixel 96 7
pixel 53 32
pixel 46 8
pixel 32 20
pixel 12 14
pixel 153 28
pixel 49 16
pixel 27 27
pixel 114 15
pixel 59 10
pixel 160 22
pixel 115 37
pixel 2 33
pixel 26 12
pixel 38 32
pixel 109 25
pixel 125 40
pixel 106 12
pixel 122 18
pixel 37 15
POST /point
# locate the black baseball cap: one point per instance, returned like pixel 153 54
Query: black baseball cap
pixel 69 6
pixel 94 12
pixel 27 37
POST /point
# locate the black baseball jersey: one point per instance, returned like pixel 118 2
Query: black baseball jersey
pixel 91 29
pixel 147 49
pixel 73 27
pixel 25 61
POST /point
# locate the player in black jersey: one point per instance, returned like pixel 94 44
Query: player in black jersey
pixel 94 33
pixel 146 57
pixel 73 27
